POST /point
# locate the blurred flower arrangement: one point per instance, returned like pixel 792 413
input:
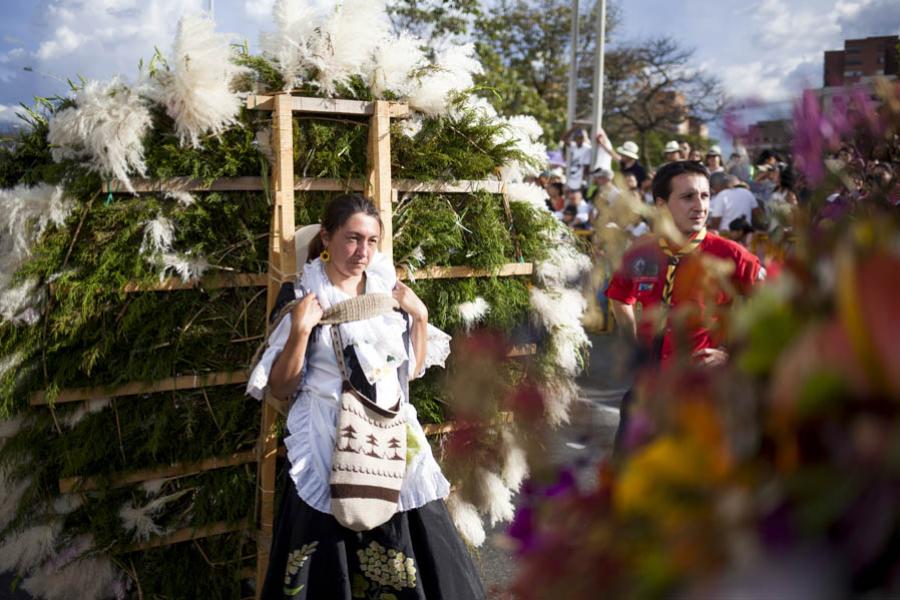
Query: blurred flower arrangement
pixel 778 475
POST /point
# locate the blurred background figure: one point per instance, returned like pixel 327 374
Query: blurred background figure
pixel 714 160
pixel 671 152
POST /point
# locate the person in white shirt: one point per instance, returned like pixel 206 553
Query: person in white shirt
pixel 381 354
pixel 584 212
pixel 578 155
pixel 731 208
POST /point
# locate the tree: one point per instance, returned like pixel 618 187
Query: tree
pixel 434 19
pixel 652 87
pixel 525 48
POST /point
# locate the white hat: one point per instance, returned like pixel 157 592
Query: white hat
pixel 672 146
pixel 629 149
pixel 302 238
pixel 714 151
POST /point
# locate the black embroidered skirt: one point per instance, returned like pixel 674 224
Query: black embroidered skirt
pixel 417 555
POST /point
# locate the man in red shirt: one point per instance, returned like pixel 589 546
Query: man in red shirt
pixel 682 285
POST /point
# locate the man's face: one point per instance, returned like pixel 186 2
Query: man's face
pixel 689 202
pixel 631 181
pixel 579 138
pixel 672 156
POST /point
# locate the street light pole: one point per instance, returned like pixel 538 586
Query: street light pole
pixel 597 114
pixel 573 79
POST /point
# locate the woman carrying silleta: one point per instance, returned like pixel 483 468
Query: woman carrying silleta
pixel 416 553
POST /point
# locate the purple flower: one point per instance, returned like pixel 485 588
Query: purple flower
pixel 809 126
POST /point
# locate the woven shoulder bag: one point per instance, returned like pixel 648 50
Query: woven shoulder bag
pixel 369 459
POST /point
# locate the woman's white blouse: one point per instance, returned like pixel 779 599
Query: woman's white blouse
pixel 312 421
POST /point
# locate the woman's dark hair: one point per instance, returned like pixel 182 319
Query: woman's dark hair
pixel 337 212
pixel 558 185
pixel 662 181
pixel 786 174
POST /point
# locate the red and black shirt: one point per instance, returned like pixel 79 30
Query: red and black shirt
pixel 697 295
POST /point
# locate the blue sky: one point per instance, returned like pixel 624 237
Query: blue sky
pixel 761 49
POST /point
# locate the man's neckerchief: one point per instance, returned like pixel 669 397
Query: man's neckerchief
pixel 675 257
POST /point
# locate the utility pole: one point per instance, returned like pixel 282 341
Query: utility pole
pixel 573 79
pixel 211 7
pixel 597 114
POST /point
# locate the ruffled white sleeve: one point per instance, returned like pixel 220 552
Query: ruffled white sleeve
pixel 259 377
pixel 436 354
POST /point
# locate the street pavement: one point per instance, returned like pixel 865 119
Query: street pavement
pixel 585 441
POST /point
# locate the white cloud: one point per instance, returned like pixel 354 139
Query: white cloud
pixel 64 41
pixel 260 10
pixel 8 114
pixel 101 38
pixel 9 63
pixel 787 41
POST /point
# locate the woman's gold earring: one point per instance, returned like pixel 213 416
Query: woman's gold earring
pixel 325 256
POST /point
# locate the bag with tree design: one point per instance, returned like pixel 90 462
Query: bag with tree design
pixel 369 459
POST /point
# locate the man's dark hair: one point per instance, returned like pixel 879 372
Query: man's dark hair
pixel 765 155
pixel 662 182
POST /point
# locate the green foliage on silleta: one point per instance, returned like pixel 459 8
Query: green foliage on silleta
pixel 92 333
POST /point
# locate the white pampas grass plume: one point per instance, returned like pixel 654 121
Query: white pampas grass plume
pixel 185 199
pixel 10 427
pixel 289 46
pixel 411 126
pixel 452 72
pixel 472 312
pixel 564 265
pixel 67 503
pixel 263 142
pixel 107 126
pixel 10 362
pixel 480 107
pixel 496 498
pixel 88 407
pixel 465 517
pixel 186 266
pixel 19 303
pixel 93 577
pixel 559 394
pixel 557 307
pixel 12 494
pixel 152 487
pixel 346 43
pixel 25 214
pixel 394 64
pixel 24 550
pixel 140 519
pixel 524 132
pixel 196 90
pixel 567 347
pixel 530 194
pixel 514 461
pixel 158 236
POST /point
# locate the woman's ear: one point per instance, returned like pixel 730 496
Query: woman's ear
pixel 323 235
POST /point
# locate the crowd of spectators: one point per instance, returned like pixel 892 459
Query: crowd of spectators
pixel 751 198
